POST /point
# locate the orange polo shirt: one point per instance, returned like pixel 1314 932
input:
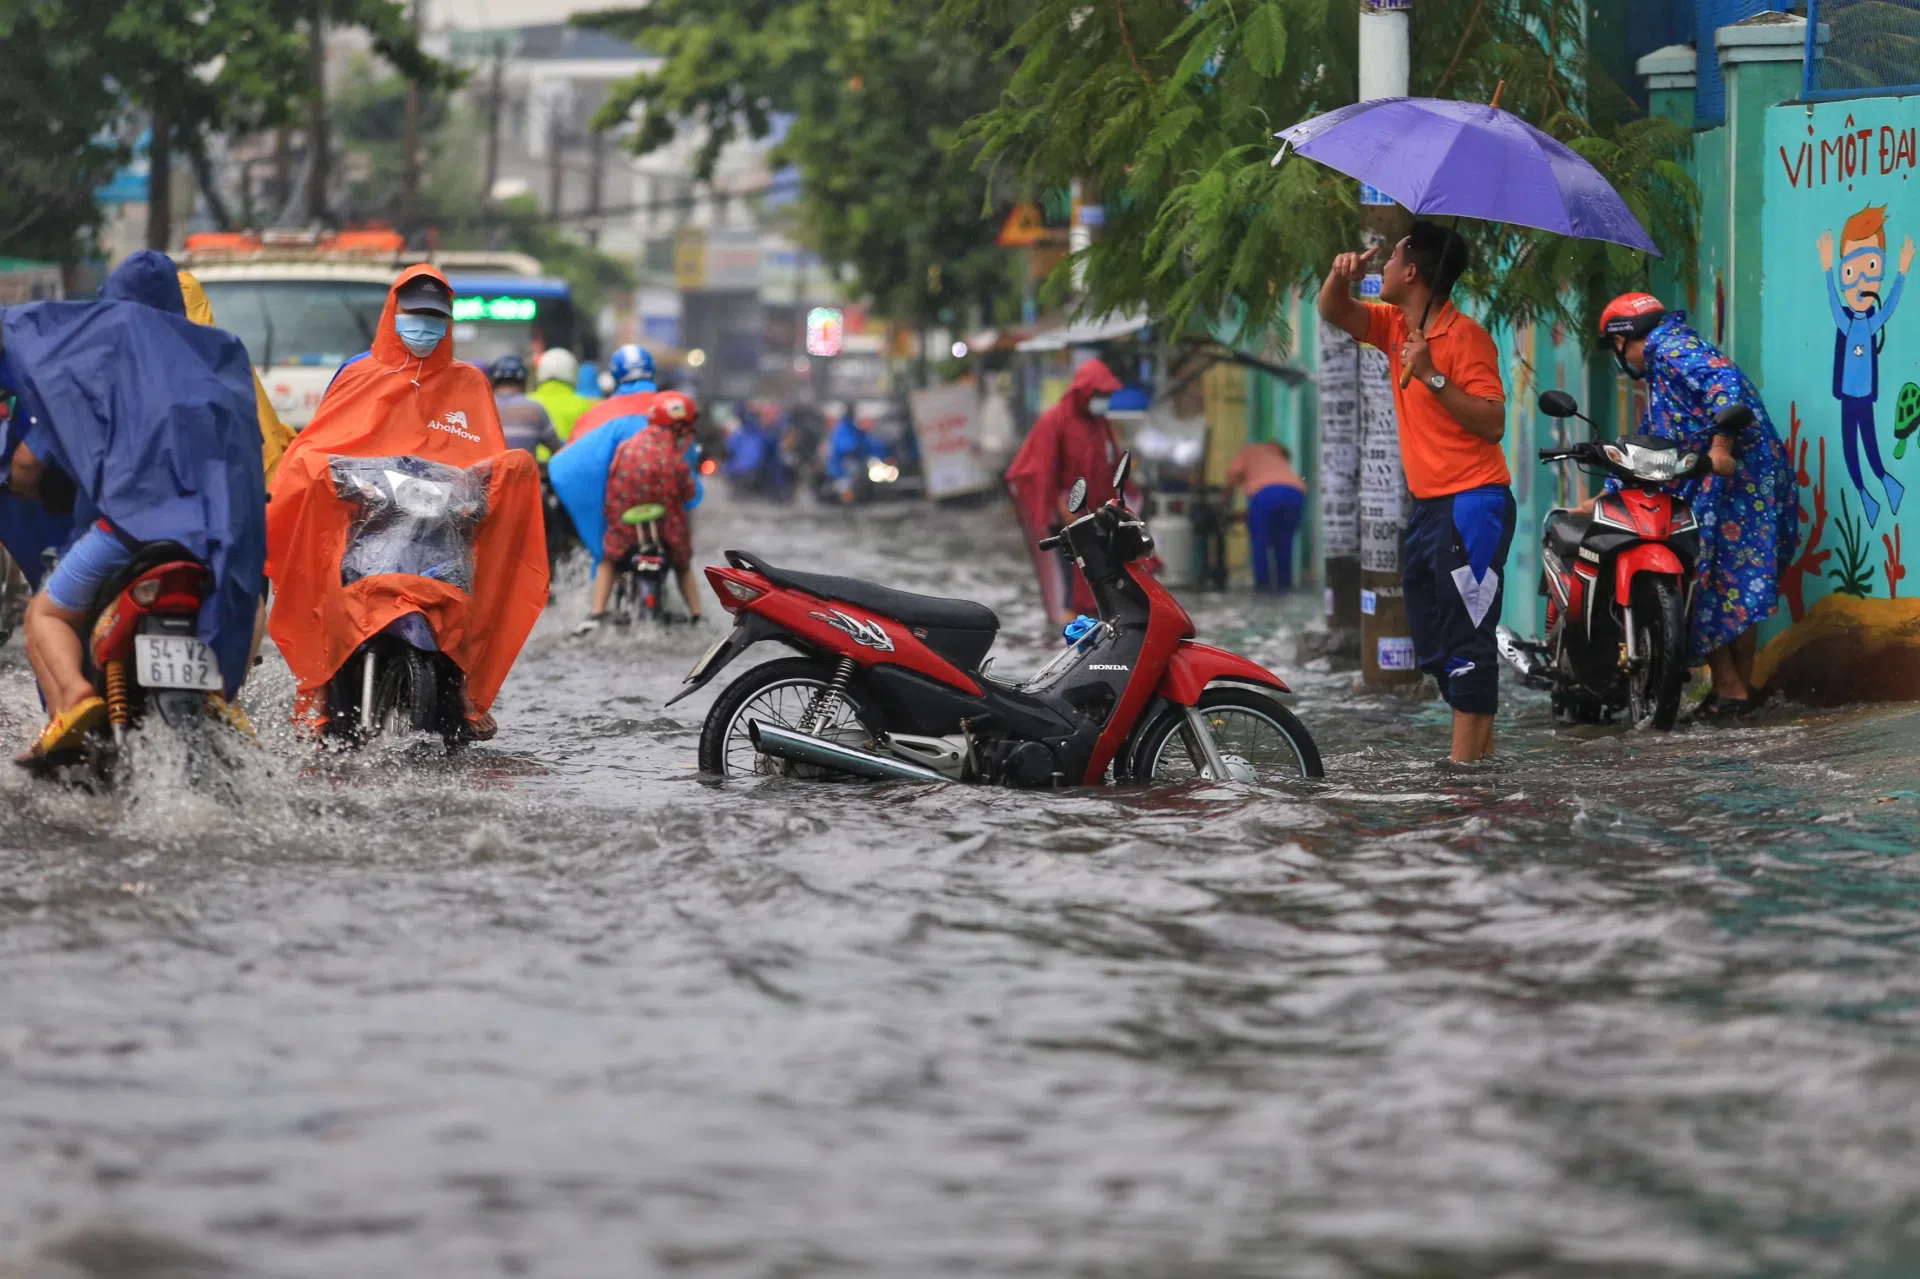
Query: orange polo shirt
pixel 1439 455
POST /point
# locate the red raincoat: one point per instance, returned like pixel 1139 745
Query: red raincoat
pixel 1066 443
pixel 391 404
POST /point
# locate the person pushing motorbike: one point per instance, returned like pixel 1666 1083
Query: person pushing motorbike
pixel 166 450
pixel 649 468
pixel 1748 510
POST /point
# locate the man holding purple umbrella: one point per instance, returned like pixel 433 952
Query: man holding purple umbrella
pixel 1452 413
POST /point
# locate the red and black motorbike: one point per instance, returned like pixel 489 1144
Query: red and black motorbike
pixel 1619 583
pixel 893 685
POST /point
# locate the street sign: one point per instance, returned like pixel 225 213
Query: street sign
pixel 1023 227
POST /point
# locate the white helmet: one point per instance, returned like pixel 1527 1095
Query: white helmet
pixel 556 364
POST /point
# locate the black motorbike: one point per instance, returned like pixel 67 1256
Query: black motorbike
pixel 640 577
pixel 411 517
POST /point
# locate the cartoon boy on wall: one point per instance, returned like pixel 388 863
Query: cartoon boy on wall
pixel 1860 312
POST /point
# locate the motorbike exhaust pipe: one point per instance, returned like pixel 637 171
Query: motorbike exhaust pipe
pixel 802 748
pixel 1523 657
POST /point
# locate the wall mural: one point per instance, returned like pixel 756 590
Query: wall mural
pixel 1840 194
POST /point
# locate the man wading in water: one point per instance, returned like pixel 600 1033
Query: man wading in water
pixel 1451 415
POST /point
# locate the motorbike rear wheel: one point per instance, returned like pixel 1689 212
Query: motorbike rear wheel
pixel 779 693
pixel 1660 637
pixel 1258 738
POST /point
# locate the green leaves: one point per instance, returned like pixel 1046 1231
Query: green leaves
pixel 1265 40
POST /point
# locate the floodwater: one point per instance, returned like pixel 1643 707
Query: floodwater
pixel 1619 1004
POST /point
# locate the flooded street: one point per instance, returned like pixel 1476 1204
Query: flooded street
pixel 1616 1005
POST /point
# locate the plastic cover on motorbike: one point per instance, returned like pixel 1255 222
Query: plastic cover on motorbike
pixel 579 471
pixel 388 407
pixel 154 418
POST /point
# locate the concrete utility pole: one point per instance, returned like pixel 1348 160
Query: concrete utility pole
pixel 1386 649
pixel 317 113
pixel 495 87
pixel 410 143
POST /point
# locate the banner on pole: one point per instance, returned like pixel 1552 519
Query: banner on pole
pixel 946 422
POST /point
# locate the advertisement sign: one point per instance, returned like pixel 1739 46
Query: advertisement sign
pixel 825 328
pixel 946 423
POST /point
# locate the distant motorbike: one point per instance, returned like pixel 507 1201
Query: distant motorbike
pixel 412 517
pixel 562 537
pixel 640 579
pixel 894 685
pixel 1619 583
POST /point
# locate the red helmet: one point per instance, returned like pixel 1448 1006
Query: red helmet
pixel 674 412
pixel 1631 315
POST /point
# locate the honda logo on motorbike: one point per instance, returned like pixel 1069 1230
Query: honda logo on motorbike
pixel 870 634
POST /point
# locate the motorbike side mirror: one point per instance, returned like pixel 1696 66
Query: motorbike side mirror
pixel 1558 404
pixel 1732 420
pixel 1120 474
pixel 1077 496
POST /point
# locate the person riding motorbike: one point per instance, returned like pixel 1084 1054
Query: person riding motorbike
pixel 166 450
pixel 1748 509
pixel 579 471
pixel 522 418
pixel 848 450
pixel 554 374
pixel 651 467
pixel 406 398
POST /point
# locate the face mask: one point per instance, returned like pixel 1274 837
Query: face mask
pixel 421 333
pixel 1099 404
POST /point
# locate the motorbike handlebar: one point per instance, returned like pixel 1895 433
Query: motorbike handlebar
pixel 1049 543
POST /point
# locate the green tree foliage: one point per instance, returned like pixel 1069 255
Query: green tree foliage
pixel 1168 107
pixel 873 97
pixel 77 68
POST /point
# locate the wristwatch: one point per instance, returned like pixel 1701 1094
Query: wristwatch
pixel 1438 382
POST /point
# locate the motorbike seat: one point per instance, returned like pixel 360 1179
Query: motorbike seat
pixel 930 611
pixel 1565 532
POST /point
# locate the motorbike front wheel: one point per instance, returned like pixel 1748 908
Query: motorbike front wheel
pixel 1660 638
pixel 1258 739
pixel 782 693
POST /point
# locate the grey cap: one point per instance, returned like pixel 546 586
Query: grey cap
pixel 424 293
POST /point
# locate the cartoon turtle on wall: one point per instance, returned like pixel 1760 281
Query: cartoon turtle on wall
pixel 1906 418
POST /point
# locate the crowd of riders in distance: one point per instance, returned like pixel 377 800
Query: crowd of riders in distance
pixel 422 506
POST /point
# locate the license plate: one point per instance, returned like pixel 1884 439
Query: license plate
pixel 175 661
pixel 707 659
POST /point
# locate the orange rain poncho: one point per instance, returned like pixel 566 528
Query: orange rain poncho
pixel 390 404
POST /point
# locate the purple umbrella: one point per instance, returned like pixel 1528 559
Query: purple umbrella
pixel 1467 160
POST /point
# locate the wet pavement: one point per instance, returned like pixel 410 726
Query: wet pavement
pixel 1618 1004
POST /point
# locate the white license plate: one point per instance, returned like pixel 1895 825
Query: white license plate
pixel 706 658
pixel 175 661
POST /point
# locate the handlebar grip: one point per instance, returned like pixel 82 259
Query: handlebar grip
pixel 1049 543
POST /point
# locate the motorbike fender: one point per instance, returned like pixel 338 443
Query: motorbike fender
pixel 1193 666
pixel 747 632
pixel 1648 557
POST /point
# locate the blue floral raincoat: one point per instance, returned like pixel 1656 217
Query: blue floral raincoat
pixel 1750 520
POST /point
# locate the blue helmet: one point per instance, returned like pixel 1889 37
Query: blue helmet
pixel 630 362
pixel 509 368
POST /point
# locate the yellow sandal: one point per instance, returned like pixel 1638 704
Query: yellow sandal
pixel 65 732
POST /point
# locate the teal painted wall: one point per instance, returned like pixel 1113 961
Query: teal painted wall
pixel 1811 189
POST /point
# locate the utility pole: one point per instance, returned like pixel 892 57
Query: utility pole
pixel 317 112
pixel 160 180
pixel 410 144
pixel 1386 646
pixel 495 89
pixel 596 175
pixel 556 171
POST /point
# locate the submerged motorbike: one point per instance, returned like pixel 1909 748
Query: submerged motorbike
pixel 640 580
pixel 890 685
pixel 416 517
pixel 1619 583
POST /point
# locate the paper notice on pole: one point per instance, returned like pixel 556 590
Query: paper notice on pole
pixel 1339 443
pixel 945 422
pixel 1382 485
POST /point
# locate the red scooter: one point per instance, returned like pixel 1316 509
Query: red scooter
pixel 1619 583
pixel 889 685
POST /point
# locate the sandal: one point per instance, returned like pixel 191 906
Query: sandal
pixel 591 625
pixel 478 726
pixel 1722 710
pixel 64 733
